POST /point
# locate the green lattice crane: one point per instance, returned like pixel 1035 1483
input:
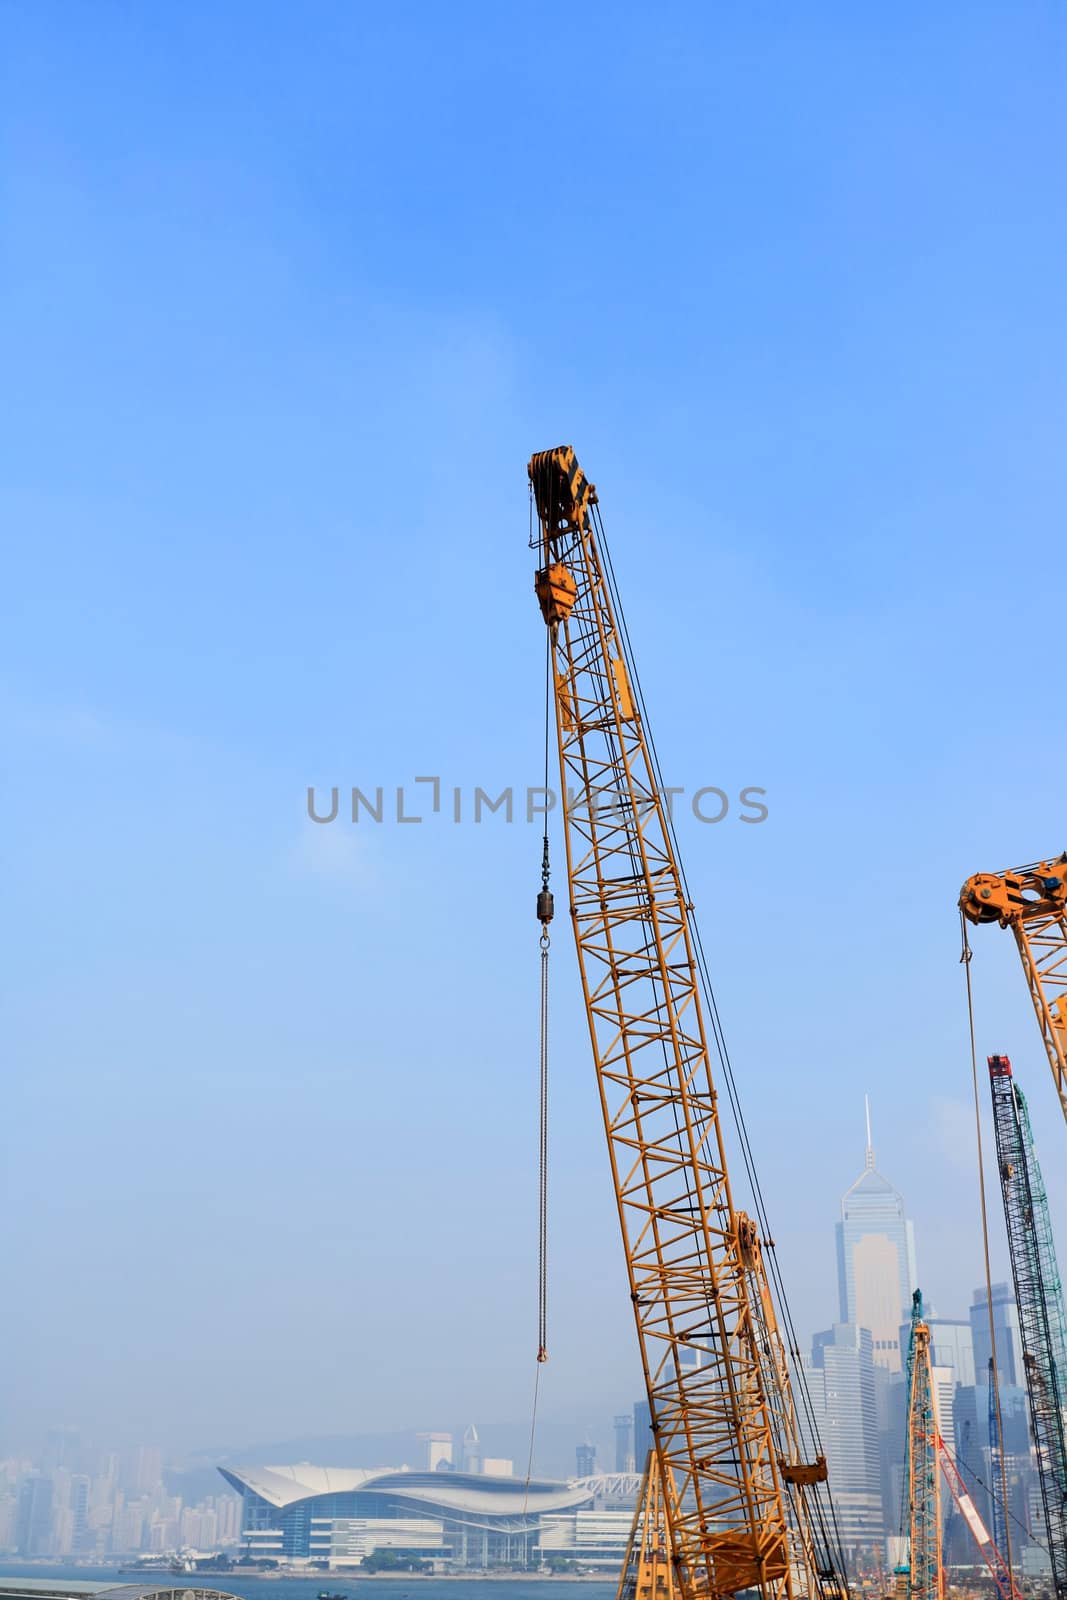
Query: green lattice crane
pixel 922 1491
pixel 1039 1297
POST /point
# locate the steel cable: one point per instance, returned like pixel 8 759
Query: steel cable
pixel 800 1385
pixel 965 962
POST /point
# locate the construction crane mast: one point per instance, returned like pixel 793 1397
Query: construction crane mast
pixel 922 1483
pixel 1039 1298
pixel 926 1461
pixel 742 1507
pixel 1032 902
pixel 648 1568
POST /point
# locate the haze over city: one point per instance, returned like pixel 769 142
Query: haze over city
pixel 288 302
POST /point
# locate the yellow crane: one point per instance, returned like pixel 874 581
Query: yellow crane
pixel 742 1508
pixel 926 1461
pixel 922 1481
pixel 648 1570
pixel 1032 902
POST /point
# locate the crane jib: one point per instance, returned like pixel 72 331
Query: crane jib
pixel 744 1493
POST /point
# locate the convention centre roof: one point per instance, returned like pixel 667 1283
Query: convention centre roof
pixel 455 1492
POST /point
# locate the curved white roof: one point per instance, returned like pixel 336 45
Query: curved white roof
pixel 449 1491
pixel 283 1486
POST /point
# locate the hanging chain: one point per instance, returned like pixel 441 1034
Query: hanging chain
pixel 542 1188
pixel 545 910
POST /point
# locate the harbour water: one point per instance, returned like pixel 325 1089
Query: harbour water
pixel 401 1587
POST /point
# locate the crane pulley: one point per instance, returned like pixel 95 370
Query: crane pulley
pixel 1032 902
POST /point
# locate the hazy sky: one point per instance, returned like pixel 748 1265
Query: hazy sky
pixel 289 296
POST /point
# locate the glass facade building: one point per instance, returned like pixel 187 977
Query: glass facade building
pixel 337 1517
pixel 876 1272
pixel 841 1381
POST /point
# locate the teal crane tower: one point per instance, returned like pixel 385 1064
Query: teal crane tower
pixel 922 1500
pixel 1039 1297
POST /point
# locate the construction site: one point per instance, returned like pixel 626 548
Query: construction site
pixel 450 1026
pixel 735 1492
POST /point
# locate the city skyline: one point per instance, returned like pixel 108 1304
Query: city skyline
pixel 854 1389
pixel 874 1213
pixel 879 1209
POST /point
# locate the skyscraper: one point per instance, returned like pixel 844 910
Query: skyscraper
pixel 1014 1407
pixel 438 1451
pixel 144 1471
pixel 472 1449
pixel 624 1453
pixel 876 1274
pixel 643 1440
pixel 33 1527
pixel 80 1494
pixel 1009 1338
pixel 841 1381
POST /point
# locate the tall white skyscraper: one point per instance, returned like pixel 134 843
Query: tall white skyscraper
pixel 841 1383
pixel 876 1273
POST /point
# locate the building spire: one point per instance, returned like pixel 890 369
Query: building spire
pixel 868 1160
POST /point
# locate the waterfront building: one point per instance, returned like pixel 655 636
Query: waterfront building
pixel 302 1514
pixel 595 1539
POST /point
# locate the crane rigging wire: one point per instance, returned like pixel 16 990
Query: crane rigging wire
pixel 831 1533
pixel 963 1466
pixel 965 962
pixel 545 909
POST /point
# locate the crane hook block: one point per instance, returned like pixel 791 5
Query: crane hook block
pixel 546 907
pixel 804 1473
pixel 556 590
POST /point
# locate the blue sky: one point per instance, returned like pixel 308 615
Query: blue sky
pixel 288 299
